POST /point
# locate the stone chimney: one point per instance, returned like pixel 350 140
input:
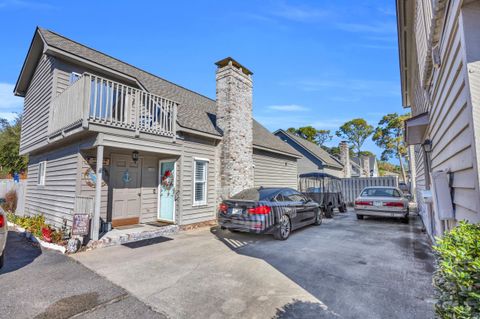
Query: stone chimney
pixel 365 163
pixel 234 118
pixel 345 159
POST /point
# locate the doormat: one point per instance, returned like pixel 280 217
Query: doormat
pixel 158 224
pixel 128 227
pixel 147 242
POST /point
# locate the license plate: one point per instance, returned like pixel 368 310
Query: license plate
pixel 377 204
pixel 236 211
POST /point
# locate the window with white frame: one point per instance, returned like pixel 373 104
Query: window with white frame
pixel 42 170
pixel 74 76
pixel 200 182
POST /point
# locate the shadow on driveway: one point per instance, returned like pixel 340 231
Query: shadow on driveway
pixel 19 252
pixel 372 268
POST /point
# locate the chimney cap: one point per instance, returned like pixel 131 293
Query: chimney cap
pixel 226 61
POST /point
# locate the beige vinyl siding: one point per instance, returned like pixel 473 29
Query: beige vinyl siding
pixel 451 126
pixel 274 170
pixel 56 199
pixel 36 107
pixel 450 120
pixel 205 149
pixel 471 24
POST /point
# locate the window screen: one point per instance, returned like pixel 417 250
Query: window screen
pixel 41 173
pixel 200 182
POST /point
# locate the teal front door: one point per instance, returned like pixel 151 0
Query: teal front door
pixel 166 207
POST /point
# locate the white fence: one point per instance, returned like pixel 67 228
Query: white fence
pixel 7 185
pixel 351 187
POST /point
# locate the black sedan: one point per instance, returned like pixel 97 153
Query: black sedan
pixel 275 211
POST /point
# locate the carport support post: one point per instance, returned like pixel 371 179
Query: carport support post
pixel 98 194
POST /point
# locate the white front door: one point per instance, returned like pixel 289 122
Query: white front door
pixel 126 180
pixel 166 190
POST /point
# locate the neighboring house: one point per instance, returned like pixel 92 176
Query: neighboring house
pixel 440 75
pixel 364 166
pixel 314 158
pixel 100 132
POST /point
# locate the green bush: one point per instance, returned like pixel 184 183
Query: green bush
pixel 457 278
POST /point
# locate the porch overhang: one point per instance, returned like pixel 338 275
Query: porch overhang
pixel 415 128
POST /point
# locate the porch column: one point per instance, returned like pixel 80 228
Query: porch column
pixel 98 194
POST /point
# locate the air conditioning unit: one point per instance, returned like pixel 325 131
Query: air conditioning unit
pixel 436 56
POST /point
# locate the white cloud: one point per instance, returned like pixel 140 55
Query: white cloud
pixel 7 99
pixel 9 116
pixel 288 108
pixel 33 5
pixel 356 88
pixel 375 28
pixel 300 13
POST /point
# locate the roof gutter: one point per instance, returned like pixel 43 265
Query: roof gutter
pixel 263 148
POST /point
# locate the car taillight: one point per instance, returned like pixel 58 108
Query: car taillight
pixel 2 221
pixel 260 210
pixel 363 203
pixel 393 204
pixel 223 207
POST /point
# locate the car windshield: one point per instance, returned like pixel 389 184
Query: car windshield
pixel 381 192
pixel 256 194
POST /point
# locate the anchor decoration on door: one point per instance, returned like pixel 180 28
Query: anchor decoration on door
pixel 126 177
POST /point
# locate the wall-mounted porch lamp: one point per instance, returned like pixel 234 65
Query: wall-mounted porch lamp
pixel 135 156
pixel 427 146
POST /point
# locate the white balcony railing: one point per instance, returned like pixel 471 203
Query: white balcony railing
pixel 93 99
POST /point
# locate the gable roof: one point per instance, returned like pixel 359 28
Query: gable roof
pixel 313 149
pixel 195 111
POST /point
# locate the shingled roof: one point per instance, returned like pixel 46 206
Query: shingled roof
pixel 195 111
pixel 313 149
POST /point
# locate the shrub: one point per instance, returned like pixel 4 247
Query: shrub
pixel 11 201
pixel 457 278
pixel 37 226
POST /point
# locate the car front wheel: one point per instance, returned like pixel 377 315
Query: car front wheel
pixel 284 228
pixel 359 216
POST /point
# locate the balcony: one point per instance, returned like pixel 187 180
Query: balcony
pixel 105 103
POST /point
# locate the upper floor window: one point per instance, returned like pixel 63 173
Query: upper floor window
pixel 42 172
pixel 200 182
pixel 74 76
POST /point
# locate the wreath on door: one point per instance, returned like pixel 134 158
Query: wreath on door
pixel 167 180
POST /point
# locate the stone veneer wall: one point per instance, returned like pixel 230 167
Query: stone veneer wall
pixel 365 163
pixel 345 159
pixel 234 118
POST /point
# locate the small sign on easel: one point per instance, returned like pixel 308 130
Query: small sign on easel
pixel 81 224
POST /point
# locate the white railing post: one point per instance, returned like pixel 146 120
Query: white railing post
pixel 85 105
pixel 136 104
pixel 174 122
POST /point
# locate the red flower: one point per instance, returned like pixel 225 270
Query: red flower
pixel 167 173
pixel 47 234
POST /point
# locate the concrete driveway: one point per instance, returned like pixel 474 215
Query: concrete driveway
pixel 346 268
pixel 38 283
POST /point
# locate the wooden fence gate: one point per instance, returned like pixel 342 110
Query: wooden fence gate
pixel 351 187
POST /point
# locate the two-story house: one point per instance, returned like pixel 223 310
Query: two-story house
pixel 132 147
pixel 439 46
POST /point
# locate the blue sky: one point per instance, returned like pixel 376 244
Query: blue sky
pixel 317 63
